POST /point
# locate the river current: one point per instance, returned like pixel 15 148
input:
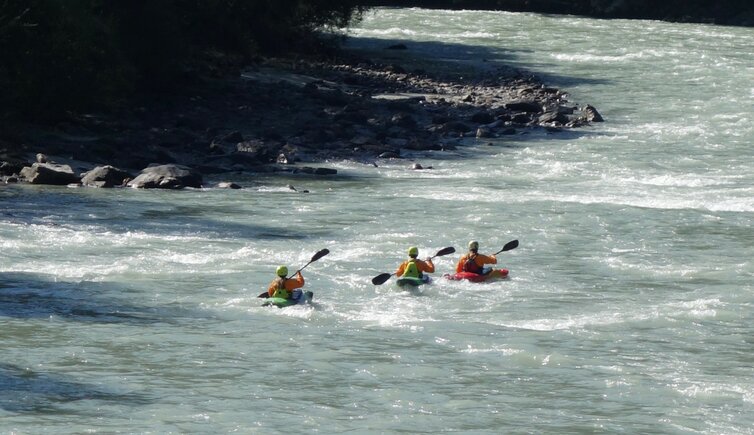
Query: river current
pixel 629 309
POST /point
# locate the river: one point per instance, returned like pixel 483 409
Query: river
pixel 629 308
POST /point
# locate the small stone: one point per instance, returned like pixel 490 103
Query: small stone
pixel 483 133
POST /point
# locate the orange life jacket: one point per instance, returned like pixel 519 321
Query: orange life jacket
pixel 470 265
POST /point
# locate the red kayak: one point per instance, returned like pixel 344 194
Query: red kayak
pixel 495 274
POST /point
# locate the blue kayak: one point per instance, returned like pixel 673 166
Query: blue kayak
pixel 303 298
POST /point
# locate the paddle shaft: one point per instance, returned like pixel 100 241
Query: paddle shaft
pixel 315 257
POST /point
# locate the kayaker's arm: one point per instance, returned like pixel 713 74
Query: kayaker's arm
pixel 429 267
pixel 401 268
pixel 487 259
pixel 294 282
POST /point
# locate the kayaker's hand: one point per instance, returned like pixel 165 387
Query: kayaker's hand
pixel 428 260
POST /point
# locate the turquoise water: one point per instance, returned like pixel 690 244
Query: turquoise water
pixel 628 310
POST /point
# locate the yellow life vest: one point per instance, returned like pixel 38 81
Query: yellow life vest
pixel 280 291
pixel 412 270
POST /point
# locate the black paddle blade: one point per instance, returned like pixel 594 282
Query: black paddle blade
pixel 513 244
pixel 445 251
pixel 319 255
pixel 381 278
pixel 264 295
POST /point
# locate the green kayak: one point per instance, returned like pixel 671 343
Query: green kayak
pixel 304 298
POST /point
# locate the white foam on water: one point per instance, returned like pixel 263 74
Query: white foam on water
pixel 625 56
pixel 696 309
pixel 392 31
pixel 503 350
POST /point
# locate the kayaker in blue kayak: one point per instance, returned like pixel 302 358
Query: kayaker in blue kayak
pixel 413 267
pixel 474 262
pixel 282 287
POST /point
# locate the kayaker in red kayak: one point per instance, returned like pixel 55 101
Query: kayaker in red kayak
pixel 414 268
pixel 282 287
pixel 474 262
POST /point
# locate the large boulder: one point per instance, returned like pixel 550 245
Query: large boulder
pixel 592 115
pixel 166 177
pixel 105 176
pixel 49 173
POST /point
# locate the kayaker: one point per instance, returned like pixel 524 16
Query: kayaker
pixel 282 287
pixel 474 262
pixel 413 267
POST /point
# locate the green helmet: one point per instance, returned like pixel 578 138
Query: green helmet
pixel 413 251
pixel 473 245
pixel 282 271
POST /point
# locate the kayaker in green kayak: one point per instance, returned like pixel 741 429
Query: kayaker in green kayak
pixel 474 262
pixel 413 267
pixel 282 287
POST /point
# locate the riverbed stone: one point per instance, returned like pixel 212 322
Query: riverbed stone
pixel 49 173
pixel 228 185
pixel 105 176
pixel 166 177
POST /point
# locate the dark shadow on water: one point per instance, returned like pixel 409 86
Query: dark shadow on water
pixel 27 296
pixel 122 212
pixel 470 147
pixel 27 391
pixel 564 82
pixel 461 59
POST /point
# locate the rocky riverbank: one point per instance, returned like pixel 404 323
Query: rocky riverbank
pixel 282 114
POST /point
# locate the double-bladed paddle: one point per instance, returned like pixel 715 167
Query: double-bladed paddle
pixel 315 257
pixel 381 278
pixel 513 244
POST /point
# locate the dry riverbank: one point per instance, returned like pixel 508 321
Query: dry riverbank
pixel 280 114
